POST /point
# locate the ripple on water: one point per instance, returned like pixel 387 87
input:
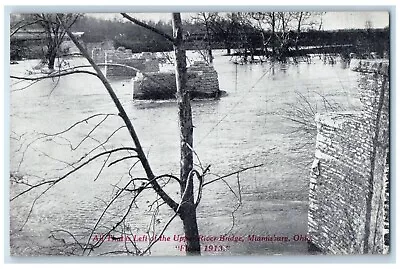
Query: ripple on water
pixel 246 127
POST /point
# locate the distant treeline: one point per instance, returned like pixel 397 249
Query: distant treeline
pixel 138 39
pixel 362 40
pixel 216 31
pixel 124 34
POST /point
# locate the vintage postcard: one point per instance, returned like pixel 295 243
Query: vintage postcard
pixel 263 132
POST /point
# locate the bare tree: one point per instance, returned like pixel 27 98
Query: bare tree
pixel 188 207
pixel 260 19
pixel 300 17
pixel 278 30
pixel 189 176
pixel 224 28
pixel 207 19
pixel 264 22
pixel 20 21
pixel 54 33
pixel 306 20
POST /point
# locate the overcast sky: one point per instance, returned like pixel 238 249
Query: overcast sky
pixel 331 20
pixel 342 20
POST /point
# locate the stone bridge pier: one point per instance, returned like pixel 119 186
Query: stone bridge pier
pixel 349 185
pixel 202 83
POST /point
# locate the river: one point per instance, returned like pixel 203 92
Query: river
pixel 250 125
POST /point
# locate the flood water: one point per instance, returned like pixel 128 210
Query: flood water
pixel 250 125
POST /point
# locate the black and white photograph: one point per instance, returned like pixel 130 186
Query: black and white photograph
pixel 229 133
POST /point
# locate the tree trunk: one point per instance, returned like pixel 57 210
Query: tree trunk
pixel 210 56
pixel 273 34
pixel 187 211
pixel 189 219
pixel 298 31
pixel 263 46
pixel 52 60
pixel 51 54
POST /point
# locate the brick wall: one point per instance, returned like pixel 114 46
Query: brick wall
pixel 349 186
pixel 202 82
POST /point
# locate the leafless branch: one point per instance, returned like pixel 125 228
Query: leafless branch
pixel 102 167
pixel 55 159
pixel 61 74
pixel 53 182
pixel 102 215
pixel 91 131
pixel 124 116
pixel 26 149
pixel 233 173
pixel 122 159
pixel 99 145
pixel 144 25
pixel 239 200
pixel 136 192
pixel 44 135
pixel 85 120
pixel 117 224
pixel 19 27
pixel 32 205
pixel 69 233
pixel 26 86
pixel 160 234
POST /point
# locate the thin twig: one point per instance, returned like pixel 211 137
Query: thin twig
pixel 233 173
pixel 55 75
pixel 102 167
pixel 85 120
pixel 53 182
